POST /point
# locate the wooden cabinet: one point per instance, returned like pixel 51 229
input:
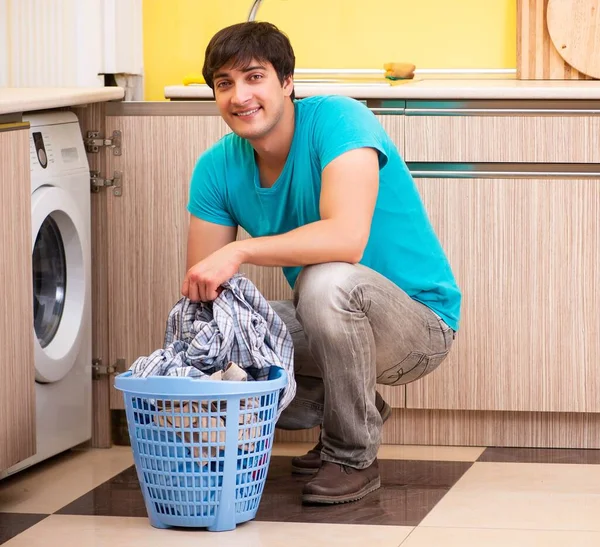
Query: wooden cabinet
pixel 17 396
pixel 526 254
pixel 517 213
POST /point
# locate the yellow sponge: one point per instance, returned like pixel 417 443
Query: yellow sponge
pixel 399 71
pixel 193 78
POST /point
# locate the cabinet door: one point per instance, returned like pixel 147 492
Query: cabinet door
pixel 147 224
pixel 17 373
pixel 526 254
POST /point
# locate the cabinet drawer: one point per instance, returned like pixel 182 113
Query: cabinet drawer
pixel 503 131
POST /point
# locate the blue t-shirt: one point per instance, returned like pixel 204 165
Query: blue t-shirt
pixel 225 189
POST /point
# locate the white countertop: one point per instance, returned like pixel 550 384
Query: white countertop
pixel 25 99
pixel 429 89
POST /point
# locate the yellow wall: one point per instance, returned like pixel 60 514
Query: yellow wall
pixel 336 33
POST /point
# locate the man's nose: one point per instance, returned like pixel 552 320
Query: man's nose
pixel 241 93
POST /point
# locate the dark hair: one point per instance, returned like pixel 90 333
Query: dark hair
pixel 239 44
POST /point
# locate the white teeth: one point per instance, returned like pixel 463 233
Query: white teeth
pixel 247 113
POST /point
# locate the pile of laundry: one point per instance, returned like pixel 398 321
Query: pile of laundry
pixel 203 422
pixel 236 337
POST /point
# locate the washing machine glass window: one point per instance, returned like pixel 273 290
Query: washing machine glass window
pixel 49 281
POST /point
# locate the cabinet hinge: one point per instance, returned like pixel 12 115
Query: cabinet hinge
pixel 97 182
pixel 94 141
pixel 99 370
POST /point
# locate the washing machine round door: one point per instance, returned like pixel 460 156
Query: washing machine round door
pixel 59 282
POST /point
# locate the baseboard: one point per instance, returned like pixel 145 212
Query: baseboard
pixel 457 428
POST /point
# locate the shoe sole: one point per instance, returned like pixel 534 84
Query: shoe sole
pixel 332 500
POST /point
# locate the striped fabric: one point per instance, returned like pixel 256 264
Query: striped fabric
pixel 239 326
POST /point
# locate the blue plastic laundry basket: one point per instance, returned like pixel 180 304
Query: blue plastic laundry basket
pixel 201 448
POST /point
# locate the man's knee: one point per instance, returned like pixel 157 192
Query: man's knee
pixel 322 292
pixel 320 283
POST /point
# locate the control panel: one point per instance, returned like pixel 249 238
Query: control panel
pixel 40 154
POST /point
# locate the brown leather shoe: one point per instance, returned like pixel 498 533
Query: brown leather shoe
pixel 335 483
pixel 310 463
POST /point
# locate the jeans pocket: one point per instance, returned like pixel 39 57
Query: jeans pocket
pixel 414 366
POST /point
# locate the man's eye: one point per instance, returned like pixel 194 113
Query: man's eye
pixel 256 76
pixel 222 84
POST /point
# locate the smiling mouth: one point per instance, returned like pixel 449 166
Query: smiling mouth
pixel 246 113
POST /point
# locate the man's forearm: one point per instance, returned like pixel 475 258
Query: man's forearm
pixel 315 243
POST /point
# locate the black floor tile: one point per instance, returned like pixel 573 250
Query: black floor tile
pixel 540 455
pixel 118 497
pixel 12 524
pixel 410 489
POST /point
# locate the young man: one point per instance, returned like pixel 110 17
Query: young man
pixel 324 193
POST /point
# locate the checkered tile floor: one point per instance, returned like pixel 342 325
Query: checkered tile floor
pixel 443 496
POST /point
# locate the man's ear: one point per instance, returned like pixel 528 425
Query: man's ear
pixel 288 85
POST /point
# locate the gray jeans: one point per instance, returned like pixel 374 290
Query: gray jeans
pixel 353 328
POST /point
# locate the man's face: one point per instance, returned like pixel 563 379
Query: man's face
pixel 251 99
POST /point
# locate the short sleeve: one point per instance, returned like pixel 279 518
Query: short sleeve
pixel 208 197
pixel 343 124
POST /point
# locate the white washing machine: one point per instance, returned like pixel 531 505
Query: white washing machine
pixel 61 253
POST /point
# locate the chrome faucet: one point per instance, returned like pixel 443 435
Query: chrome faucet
pixel 254 10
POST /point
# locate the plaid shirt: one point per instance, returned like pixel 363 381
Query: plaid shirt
pixel 239 326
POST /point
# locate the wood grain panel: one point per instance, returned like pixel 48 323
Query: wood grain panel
pixel 507 138
pixel 147 234
pixel 395 396
pixel 480 428
pixel 92 118
pixel 17 377
pixel 394 126
pixel 474 428
pixel 148 229
pixel 526 256
pixel 537 58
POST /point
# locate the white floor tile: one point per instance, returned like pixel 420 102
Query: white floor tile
pixel 522 496
pixel 47 487
pixel 468 537
pixel 77 531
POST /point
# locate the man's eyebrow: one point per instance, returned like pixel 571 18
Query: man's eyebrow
pixel 253 67
pixel 247 69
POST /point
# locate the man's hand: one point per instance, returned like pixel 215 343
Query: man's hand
pixel 202 280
